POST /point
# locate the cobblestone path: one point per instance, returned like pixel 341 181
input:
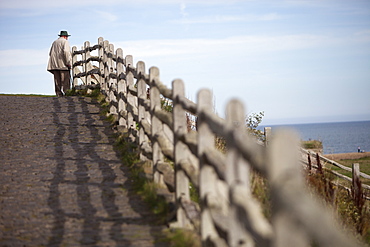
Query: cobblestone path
pixel 61 182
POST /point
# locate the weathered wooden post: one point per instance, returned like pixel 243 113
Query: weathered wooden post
pixel 356 186
pixel 181 152
pixel 237 173
pixel 87 65
pixel 285 179
pixel 155 101
pixel 121 90
pixel 74 68
pixel 105 87
pixel 112 87
pixel 355 175
pixel 131 99
pixel 318 162
pixel 267 131
pixel 207 176
pixel 142 98
pixel 237 170
pixel 101 63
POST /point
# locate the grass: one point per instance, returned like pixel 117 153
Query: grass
pixel 364 167
pixel 312 144
pixel 353 218
pixel 28 95
pixel 260 190
pixel 364 163
pixel 183 238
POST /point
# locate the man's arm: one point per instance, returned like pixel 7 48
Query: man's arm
pixel 68 54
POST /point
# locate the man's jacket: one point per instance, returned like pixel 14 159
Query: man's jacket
pixel 60 57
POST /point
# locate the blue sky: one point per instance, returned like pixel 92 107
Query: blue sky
pixel 298 61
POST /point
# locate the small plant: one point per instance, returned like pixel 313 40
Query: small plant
pixel 145 188
pixel 95 93
pixel 75 92
pixel 183 238
pixel 220 144
pixel 260 191
pixel 156 203
pixel 166 105
pixel 194 193
pixel 312 144
pixel 253 121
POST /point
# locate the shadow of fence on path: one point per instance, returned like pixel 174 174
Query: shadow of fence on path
pixel 79 149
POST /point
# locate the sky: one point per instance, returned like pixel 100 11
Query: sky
pixel 296 61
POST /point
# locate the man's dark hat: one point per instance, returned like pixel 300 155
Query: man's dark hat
pixel 64 33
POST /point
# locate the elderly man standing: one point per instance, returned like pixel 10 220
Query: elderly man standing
pixel 60 61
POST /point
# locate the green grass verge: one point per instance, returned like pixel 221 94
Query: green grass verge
pixel 183 238
pixel 364 167
pixel 28 95
pixel 312 144
pixel 364 164
pixel 142 186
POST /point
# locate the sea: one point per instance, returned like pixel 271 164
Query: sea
pixel 339 137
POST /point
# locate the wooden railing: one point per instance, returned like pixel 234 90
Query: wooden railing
pixel 227 214
pixel 314 160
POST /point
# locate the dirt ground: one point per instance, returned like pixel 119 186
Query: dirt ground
pixel 347 156
pixel 62 183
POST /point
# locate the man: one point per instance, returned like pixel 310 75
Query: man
pixel 60 61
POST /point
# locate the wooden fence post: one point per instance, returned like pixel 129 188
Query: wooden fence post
pixel 74 69
pixel 101 62
pixel 207 176
pixel 87 65
pixel 106 69
pixel 318 162
pixel 285 178
pixel 121 90
pixel 112 85
pixel 355 175
pixel 180 152
pixel 141 97
pixel 237 173
pixel 155 101
pixel 131 99
pixel 356 186
pixel 267 131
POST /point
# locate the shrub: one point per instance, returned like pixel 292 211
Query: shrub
pixel 312 144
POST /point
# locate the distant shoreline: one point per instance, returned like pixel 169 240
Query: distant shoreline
pixel 347 156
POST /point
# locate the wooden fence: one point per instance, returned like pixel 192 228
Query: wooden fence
pixel 227 214
pixel 314 160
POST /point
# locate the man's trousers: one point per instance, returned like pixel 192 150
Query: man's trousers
pixel 61 81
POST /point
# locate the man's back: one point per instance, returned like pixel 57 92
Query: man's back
pixel 60 55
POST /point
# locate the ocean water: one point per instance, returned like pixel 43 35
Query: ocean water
pixel 340 137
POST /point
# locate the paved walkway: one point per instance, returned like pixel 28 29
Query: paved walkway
pixel 61 182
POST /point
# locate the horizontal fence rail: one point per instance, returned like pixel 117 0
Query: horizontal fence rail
pixel 315 160
pixel 182 154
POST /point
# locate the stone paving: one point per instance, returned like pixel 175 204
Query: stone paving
pixel 61 182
